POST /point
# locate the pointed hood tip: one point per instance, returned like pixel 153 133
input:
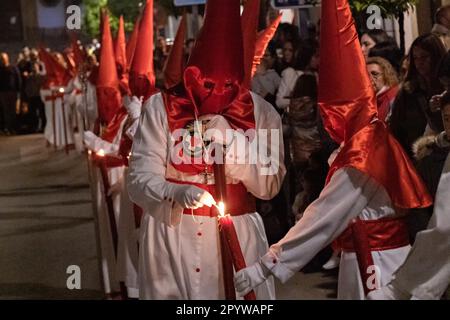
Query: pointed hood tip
pixel 142 74
pixel 346 97
pixel 221 17
pixel 174 67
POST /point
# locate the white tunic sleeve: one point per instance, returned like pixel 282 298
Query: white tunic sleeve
pixel 343 199
pixel 146 181
pixel 261 171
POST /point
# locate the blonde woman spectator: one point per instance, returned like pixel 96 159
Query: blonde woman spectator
pixel 385 83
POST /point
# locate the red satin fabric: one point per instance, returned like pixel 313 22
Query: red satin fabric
pixel 113 127
pixel 346 96
pixel 218 50
pixel 57 75
pixel 109 101
pixel 120 49
pixel 348 105
pixel 263 40
pixel 181 111
pixel 131 44
pixel 384 101
pixel 174 67
pixel 142 75
pixel 382 234
pixel 249 22
pixel 374 151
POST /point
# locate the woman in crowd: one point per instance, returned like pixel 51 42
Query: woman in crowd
pixel 371 38
pixel 411 112
pixel 385 83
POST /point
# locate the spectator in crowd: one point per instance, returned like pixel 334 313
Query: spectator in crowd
pixel 411 112
pixel 32 89
pixel 266 81
pixel 371 38
pixel 441 27
pixel 306 61
pixel 385 83
pixel 10 84
pixel 388 51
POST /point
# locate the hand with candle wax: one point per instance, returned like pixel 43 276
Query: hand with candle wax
pixel 189 196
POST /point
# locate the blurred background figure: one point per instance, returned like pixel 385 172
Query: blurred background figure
pixel 10 86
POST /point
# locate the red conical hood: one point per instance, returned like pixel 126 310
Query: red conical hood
pixel 120 49
pixel 263 40
pixel 57 75
pixel 250 19
pixel 216 66
pixel 346 97
pixel 108 95
pixel 174 67
pixel 218 51
pixel 142 75
pixel 131 44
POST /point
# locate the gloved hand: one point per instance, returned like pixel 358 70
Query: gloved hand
pixel 189 196
pixel 388 292
pixel 90 140
pixel 218 130
pixel 134 107
pixel 249 278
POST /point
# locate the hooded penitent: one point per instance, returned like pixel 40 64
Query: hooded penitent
pixel 174 67
pixel 142 75
pixel 109 99
pixel 214 74
pixel 213 77
pixel 348 107
pixel 57 75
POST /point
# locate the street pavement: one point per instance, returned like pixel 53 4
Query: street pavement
pixel 47 225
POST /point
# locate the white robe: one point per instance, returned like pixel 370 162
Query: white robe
pixel 49 132
pixel 426 271
pixel 349 194
pixel 111 277
pixel 179 254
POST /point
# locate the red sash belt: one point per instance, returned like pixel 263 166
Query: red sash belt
pixel 110 162
pixel 54 97
pixel 239 200
pixel 382 234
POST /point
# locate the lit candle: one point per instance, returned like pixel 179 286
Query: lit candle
pixel 228 233
pixel 101 153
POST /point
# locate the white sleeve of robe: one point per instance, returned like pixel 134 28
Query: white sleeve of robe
pixel 426 271
pixel 264 176
pixel 147 186
pixel 342 200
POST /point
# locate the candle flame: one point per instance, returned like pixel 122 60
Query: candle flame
pixel 61 90
pixel 89 152
pixel 221 208
pixel 101 153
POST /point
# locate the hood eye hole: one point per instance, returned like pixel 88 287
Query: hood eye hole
pixel 208 85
